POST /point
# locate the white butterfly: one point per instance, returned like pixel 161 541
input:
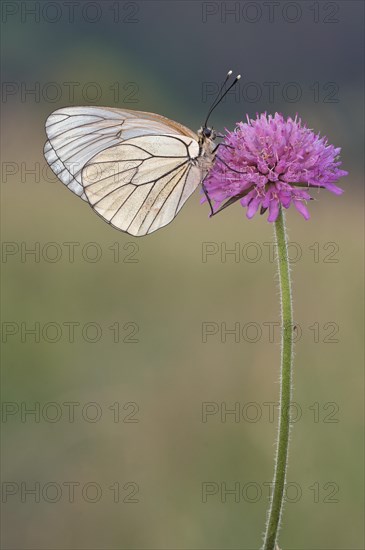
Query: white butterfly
pixel 135 169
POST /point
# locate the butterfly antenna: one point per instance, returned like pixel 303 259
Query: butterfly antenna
pixel 219 97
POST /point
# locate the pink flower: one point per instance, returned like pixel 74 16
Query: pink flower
pixel 269 162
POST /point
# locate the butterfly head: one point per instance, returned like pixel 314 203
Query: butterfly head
pixel 206 134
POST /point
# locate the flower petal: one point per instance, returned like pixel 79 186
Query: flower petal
pixel 331 187
pixel 253 207
pixel 302 209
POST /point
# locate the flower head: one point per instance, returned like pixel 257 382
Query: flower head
pixel 269 161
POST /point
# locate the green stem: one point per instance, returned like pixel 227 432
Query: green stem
pixel 276 505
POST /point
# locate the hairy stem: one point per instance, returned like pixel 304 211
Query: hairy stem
pixel 276 505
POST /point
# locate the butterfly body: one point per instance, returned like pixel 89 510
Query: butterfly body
pixel 207 146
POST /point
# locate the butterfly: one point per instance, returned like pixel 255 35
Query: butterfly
pixel 135 169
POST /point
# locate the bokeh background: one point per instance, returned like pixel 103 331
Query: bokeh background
pixel 138 405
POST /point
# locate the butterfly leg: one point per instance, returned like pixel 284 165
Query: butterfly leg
pixel 208 198
pixel 221 145
pixel 232 200
pixel 227 165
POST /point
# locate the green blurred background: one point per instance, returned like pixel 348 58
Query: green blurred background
pixel 164 55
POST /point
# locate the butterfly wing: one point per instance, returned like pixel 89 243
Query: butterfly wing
pixel 141 184
pixel 136 169
pixel 76 134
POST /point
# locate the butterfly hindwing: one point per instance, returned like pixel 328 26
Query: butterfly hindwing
pixel 140 185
